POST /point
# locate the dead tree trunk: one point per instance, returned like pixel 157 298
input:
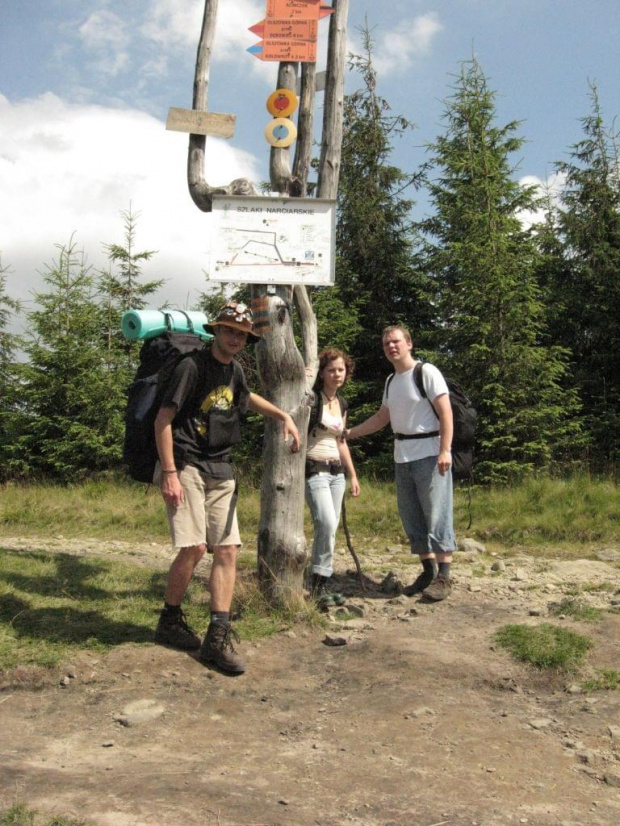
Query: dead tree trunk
pixel 202 194
pixel 282 369
pixel 281 542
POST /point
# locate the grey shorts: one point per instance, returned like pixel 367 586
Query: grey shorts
pixel 208 514
pixel 425 506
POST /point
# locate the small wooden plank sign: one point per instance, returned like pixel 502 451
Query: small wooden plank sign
pixel 200 123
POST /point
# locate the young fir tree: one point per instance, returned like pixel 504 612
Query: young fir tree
pixel 122 289
pixel 8 345
pixel 490 314
pixel 377 283
pixel 68 423
pixel 586 290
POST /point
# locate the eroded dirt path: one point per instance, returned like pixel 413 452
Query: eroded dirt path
pixel 417 720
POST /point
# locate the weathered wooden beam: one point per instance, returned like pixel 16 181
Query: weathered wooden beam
pixel 202 194
pixel 333 110
pixel 280 159
pixel 200 123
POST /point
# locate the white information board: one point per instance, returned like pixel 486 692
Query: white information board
pixel 273 240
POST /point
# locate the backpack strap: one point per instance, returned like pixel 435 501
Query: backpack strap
pixel 418 378
pixel 316 411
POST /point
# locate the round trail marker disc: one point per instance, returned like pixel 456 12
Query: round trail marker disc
pixel 282 103
pixel 280 133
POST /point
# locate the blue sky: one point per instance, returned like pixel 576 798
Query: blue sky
pixel 85 87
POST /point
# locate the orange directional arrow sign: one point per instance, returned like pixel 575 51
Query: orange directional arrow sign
pixel 297 9
pixel 286 29
pixel 302 51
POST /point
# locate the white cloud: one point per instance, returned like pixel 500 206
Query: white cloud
pixel 177 23
pixel 551 187
pixel 72 169
pixel 396 49
pixel 106 37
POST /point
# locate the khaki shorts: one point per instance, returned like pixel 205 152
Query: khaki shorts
pixel 208 514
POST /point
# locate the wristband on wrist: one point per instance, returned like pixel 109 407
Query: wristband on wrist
pixel 174 470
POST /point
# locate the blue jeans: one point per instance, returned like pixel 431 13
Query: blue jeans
pixel 324 494
pixel 424 499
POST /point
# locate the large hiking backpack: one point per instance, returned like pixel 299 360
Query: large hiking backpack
pixel 158 358
pixel 464 418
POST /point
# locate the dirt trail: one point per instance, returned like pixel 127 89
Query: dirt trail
pixel 417 720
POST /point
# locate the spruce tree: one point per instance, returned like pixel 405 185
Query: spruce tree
pixel 375 233
pixel 491 318
pixel 8 345
pixel 68 424
pixel 377 283
pixel 122 289
pixel 586 290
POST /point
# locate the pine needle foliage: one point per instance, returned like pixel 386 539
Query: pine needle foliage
pixel 68 421
pixel 490 316
pixel 585 291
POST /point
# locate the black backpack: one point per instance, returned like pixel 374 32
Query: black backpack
pixel 464 417
pixel 158 358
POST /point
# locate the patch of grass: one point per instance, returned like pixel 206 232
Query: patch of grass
pixel 17 815
pixel 606 680
pixel 544 646
pixel 570 607
pixel 600 587
pixel 53 606
pixel 20 815
pixel 542 511
pixel 568 516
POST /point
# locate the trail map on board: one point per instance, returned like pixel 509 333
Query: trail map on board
pixel 273 240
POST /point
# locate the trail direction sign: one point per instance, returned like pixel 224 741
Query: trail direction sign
pixel 300 51
pixel 297 9
pixel 273 240
pixel 286 29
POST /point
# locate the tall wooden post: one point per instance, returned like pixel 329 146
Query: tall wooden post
pixel 282 371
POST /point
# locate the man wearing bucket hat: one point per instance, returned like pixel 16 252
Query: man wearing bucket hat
pixel 198 422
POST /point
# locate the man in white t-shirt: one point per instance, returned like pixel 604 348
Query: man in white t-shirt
pixel 423 460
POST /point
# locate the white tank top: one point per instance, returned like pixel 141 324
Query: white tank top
pixel 323 443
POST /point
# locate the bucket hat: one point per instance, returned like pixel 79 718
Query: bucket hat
pixel 235 315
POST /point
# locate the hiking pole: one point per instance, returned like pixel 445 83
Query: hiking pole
pixel 345 526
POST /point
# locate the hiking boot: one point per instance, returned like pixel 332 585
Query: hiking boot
pixel 325 598
pixel 217 649
pixel 419 584
pixel 439 589
pixel 172 629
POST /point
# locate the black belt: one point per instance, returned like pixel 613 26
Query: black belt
pixel 314 466
pixel 430 435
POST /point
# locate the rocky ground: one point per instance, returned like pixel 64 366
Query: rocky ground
pixel 399 712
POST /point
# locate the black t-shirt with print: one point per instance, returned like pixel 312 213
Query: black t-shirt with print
pixel 210 398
